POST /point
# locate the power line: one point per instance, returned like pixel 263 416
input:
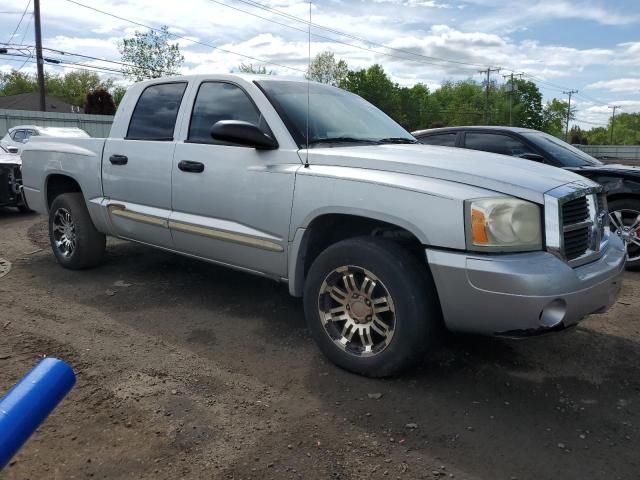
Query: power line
pixel 133 22
pixel 333 40
pixel 349 35
pixel 62 64
pixel 89 57
pixel 20 21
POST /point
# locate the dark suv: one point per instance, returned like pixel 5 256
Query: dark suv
pixel 621 182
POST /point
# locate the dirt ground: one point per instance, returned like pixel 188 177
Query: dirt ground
pixel 187 370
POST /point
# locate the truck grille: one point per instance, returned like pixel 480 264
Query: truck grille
pixel 576 227
pixel 583 227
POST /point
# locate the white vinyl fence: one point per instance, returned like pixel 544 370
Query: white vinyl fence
pixel 621 152
pixel 97 126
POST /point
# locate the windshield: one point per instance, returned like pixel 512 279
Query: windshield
pixel 335 115
pixel 565 154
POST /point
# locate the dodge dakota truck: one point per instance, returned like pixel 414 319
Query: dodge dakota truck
pixel 387 240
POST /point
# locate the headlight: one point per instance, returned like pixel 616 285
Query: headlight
pixel 503 224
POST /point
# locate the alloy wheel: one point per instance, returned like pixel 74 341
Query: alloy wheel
pixel 626 224
pixel 357 311
pixel 64 232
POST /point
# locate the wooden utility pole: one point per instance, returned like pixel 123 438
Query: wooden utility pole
pixel 613 119
pixel 39 59
pixel 566 129
pixel 486 101
pixel 513 89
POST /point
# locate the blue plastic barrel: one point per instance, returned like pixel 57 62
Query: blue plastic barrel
pixel 27 404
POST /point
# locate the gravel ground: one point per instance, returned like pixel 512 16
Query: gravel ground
pixel 187 370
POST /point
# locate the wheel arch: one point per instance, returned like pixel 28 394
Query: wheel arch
pixel 328 227
pixel 58 183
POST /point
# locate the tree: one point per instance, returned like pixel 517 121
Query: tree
pixel 375 86
pixel 74 86
pixel 15 82
pixel 326 69
pixel 554 117
pixel 117 94
pixel 527 105
pixel 99 102
pixel 254 70
pixel 150 55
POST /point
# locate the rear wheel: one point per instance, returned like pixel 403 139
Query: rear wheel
pixel 74 239
pixel 624 220
pixel 371 306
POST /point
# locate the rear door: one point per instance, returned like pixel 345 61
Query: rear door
pixel 136 169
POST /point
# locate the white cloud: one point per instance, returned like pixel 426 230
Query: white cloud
pixel 618 85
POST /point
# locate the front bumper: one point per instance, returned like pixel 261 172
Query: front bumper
pixel 525 293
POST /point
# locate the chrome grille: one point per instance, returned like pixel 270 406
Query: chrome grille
pixel 575 222
pixel 576 226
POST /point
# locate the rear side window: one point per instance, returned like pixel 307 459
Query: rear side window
pixel 154 117
pixel 19 135
pixel 496 143
pixel 220 101
pixel 442 139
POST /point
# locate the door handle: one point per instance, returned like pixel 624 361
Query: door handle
pixel 189 166
pixel 118 159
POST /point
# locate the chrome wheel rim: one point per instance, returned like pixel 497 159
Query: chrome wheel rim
pixel 626 224
pixel 357 311
pixel 64 232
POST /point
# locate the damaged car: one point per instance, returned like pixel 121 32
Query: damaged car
pixel 11 181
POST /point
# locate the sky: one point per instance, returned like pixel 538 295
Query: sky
pixel 592 46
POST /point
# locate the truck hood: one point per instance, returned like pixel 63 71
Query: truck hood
pixel 10 159
pixel 612 169
pixel 524 179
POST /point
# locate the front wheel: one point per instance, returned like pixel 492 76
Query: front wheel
pixel 74 239
pixel 371 306
pixel 624 220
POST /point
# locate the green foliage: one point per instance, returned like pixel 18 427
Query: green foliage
pixel 150 55
pixel 326 69
pixel 72 87
pixel 15 82
pixel 254 70
pixel 99 102
pixel 626 131
pixel 554 117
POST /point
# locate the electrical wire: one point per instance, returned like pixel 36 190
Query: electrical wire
pixel 181 37
pixel 20 21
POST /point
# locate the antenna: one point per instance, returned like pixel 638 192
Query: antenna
pixel 306 163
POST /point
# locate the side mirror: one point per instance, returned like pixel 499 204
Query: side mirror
pixel 242 133
pixel 12 149
pixel 532 156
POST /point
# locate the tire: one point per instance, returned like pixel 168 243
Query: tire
pixel 74 239
pixel 627 209
pixel 412 317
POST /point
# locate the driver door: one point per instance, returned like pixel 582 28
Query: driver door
pixel 231 203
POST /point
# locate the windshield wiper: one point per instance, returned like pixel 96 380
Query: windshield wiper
pixel 397 140
pixel 315 141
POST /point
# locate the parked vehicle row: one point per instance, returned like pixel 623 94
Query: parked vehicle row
pixel 11 180
pixel 16 137
pixel 386 240
pixel 621 182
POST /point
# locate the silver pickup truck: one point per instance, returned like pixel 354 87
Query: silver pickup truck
pixel 385 239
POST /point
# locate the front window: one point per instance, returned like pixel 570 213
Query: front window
pixel 335 116
pixel 565 154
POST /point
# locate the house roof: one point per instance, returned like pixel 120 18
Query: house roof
pixel 31 101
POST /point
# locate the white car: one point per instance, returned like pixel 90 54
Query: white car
pixel 16 137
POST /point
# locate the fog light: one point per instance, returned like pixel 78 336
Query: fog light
pixel 553 313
